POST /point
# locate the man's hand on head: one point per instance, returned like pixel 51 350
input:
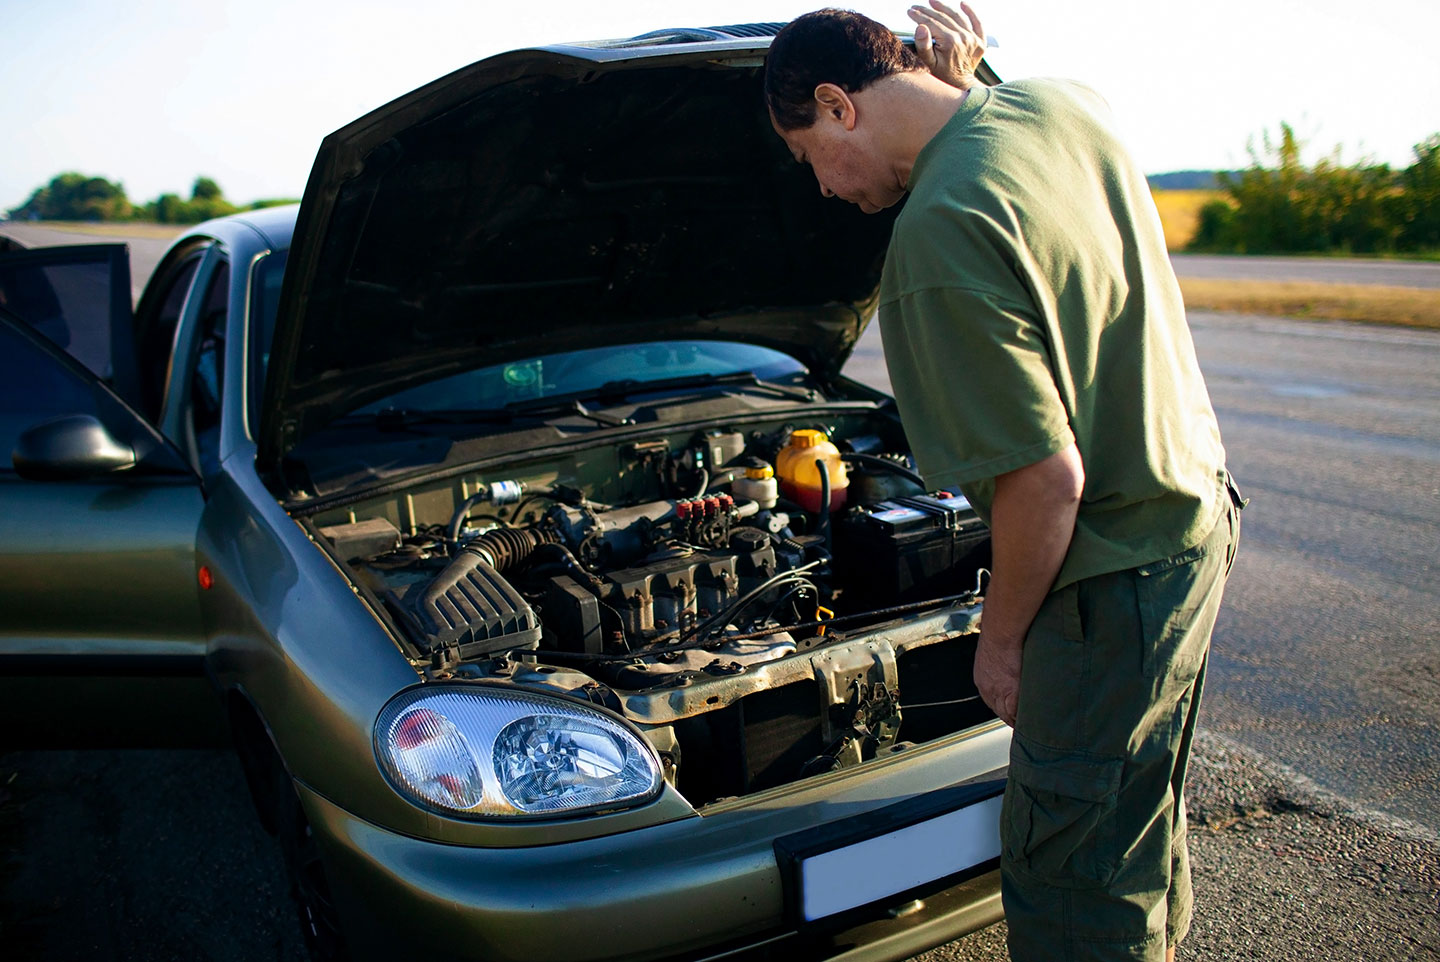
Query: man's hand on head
pixel 951 44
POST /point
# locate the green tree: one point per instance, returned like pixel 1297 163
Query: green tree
pixel 206 201
pixel 76 196
pixel 1280 204
pixel 205 189
pixel 167 209
pixel 1420 209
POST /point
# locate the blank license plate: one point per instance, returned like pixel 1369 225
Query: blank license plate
pixel 855 873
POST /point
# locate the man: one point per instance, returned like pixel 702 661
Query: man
pixel 1038 348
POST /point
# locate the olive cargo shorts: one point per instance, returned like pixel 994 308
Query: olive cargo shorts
pixel 1094 863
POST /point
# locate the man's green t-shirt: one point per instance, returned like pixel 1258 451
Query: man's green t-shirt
pixel 1027 302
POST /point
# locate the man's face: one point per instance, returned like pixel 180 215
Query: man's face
pixel 840 154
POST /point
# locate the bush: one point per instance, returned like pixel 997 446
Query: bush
pixel 74 196
pixel 1421 184
pixel 206 201
pixel 1215 227
pixel 1278 204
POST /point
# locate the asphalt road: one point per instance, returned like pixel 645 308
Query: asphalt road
pixel 1325 270
pixel 1317 794
pixel 1330 660
pixel 1283 871
pixel 1316 801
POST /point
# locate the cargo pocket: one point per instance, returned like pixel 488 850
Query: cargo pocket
pixel 1176 613
pixel 1061 823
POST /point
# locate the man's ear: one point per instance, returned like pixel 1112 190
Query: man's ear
pixel 834 103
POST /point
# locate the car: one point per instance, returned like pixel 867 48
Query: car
pixel 504 505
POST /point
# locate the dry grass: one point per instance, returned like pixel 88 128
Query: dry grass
pixel 1406 306
pixel 121 228
pixel 1180 213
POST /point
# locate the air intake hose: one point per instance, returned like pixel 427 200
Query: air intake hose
pixel 504 548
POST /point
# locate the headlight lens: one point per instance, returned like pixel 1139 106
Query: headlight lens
pixel 482 752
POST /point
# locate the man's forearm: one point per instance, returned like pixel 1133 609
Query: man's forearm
pixel 1031 523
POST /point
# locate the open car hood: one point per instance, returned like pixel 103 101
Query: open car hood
pixel 556 199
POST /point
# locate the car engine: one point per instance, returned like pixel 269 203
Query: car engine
pixel 786 607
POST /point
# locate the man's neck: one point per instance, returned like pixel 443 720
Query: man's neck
pixel 913 108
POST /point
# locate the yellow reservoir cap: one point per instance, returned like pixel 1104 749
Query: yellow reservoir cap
pixel 761 473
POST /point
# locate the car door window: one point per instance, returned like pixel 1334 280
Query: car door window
pixel 74 297
pixel 33 388
pixel 37 384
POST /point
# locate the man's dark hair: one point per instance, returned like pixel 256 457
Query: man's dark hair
pixel 840 47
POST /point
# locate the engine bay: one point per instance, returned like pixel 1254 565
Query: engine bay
pixel 765 601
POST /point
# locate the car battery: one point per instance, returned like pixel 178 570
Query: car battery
pixel 908 548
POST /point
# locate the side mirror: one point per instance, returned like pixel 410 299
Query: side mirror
pixel 70 447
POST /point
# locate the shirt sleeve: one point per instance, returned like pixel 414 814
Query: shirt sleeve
pixel 972 375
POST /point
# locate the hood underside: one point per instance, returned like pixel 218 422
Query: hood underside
pixel 550 200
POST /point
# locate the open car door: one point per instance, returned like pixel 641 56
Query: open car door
pixel 101 640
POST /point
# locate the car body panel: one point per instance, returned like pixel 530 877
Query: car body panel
pixel 131 593
pixel 658 892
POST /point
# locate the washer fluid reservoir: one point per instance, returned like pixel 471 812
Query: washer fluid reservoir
pixel 800 477
pixel 758 484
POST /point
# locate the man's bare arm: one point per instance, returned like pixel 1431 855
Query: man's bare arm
pixel 1031 523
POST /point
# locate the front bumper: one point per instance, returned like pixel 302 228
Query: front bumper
pixel 701 887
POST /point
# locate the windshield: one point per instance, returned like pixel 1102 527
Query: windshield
pixel 579 372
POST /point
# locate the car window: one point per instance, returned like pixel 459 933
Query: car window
pixel 205 386
pixel 69 303
pixel 575 372
pixel 38 383
pixel 34 387
pixel 157 335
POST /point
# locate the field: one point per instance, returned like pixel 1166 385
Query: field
pixel 1180 213
pixel 118 228
pixel 1406 306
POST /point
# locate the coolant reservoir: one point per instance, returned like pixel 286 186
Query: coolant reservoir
pixel 758 484
pixel 799 476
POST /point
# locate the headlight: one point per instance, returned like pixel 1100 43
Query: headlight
pixel 482 752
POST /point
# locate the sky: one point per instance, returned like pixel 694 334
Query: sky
pixel 153 94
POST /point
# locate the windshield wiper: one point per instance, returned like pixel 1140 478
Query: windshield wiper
pixel 620 390
pixel 403 419
pixel 571 405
